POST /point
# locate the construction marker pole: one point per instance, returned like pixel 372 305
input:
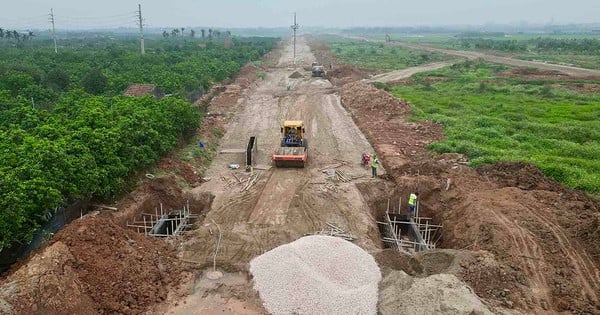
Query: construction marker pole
pixel 218 245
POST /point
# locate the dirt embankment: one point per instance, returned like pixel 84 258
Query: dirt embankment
pixel 543 235
pixel 94 266
pixel 340 73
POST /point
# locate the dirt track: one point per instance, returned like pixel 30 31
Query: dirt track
pixel 572 71
pixel 285 203
pixel 408 72
pixel 569 70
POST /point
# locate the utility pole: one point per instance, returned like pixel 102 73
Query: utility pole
pixel 53 30
pixel 141 29
pixel 295 27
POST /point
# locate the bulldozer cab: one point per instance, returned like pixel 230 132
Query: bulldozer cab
pixel 292 133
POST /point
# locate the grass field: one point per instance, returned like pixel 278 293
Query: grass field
pixel 590 60
pixel 379 56
pixel 493 117
pixel 584 61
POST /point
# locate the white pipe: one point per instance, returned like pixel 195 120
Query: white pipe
pixel 218 245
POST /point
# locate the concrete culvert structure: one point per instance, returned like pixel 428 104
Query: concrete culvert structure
pixel 317 275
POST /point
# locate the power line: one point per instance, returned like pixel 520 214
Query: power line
pixel 108 17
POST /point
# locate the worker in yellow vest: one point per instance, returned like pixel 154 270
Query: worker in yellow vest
pixel 412 203
pixel 374 165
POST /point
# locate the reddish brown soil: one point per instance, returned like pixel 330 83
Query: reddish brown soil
pixel 581 87
pixel 151 193
pixel 544 235
pixel 341 73
pixel 380 116
pixel 185 170
pixel 95 266
pixel 551 75
pixel 121 270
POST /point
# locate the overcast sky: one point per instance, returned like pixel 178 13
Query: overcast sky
pixel 271 13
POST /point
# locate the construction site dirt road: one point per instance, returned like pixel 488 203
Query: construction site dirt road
pixel 283 204
pixel 523 243
pixel 569 70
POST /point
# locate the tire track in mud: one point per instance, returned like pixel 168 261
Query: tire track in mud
pixel 581 266
pixel 282 206
pixel 524 241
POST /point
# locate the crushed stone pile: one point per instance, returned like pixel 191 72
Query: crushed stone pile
pixel 317 275
pixel 436 294
pixel 295 75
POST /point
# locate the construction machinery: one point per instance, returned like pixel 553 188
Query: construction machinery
pixel 317 70
pixel 293 150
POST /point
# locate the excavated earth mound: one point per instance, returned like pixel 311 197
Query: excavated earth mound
pixel 295 75
pixel 94 266
pixel 317 275
pixel 544 236
pixel 436 294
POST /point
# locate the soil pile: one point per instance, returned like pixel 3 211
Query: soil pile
pixel 46 284
pixel 543 235
pixel 436 294
pixel 525 176
pixel 343 74
pixel 154 192
pixel 185 170
pixel 317 275
pixel 121 270
pixel 480 270
pixel 295 75
pixel 95 266
pixel 380 116
pixel 369 98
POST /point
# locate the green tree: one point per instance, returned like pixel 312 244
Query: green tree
pixel 95 82
pixel 15 81
pixel 58 79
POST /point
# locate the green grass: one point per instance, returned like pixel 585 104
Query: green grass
pixel 380 56
pixel 449 41
pixel 491 118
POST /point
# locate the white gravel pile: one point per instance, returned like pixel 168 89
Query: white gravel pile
pixel 317 275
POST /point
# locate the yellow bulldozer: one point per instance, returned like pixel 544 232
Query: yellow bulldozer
pixel 293 150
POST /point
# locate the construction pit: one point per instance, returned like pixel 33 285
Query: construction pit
pixel 496 239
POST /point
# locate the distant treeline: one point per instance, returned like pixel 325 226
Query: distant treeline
pixel 587 46
pixel 6 34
